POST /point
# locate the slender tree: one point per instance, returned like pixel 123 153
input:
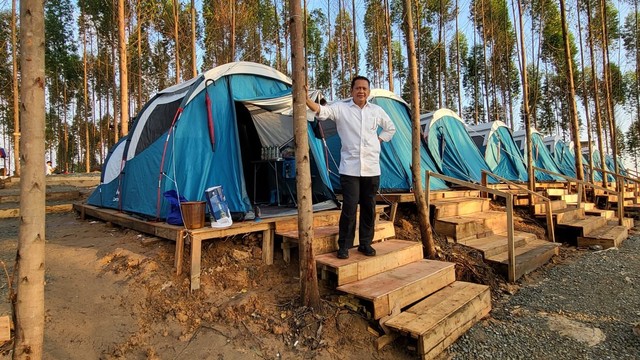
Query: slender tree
pixel 29 300
pixel 585 98
pixel 423 212
pixel 124 75
pixel 525 105
pixel 16 107
pixel 308 276
pixel 571 96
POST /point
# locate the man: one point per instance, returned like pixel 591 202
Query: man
pixel 357 123
pixel 49 168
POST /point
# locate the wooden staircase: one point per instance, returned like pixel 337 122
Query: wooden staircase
pixel 587 225
pixel 470 222
pixel 409 295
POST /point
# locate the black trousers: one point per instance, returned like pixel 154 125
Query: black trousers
pixel 357 190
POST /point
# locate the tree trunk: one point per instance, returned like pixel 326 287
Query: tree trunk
pixel 116 111
pixel 16 105
pixel 124 76
pixel 596 97
pixel 308 276
pixel 608 87
pixel 194 57
pixel 585 97
pixel 29 300
pixel 525 106
pixel 389 46
pixel 176 34
pixel 486 68
pixel 458 60
pixel 571 96
pixel 233 31
pixel 85 93
pixel 139 42
pixel 423 212
pixel 355 37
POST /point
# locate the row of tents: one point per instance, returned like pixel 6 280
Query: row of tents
pixel 212 130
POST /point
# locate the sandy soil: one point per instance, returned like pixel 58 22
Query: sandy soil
pixel 113 293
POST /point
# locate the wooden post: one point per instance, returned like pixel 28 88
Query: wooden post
pixel 427 190
pixel 309 292
pixel 550 232
pixel 620 204
pixel 483 179
pixel 580 190
pixel 510 245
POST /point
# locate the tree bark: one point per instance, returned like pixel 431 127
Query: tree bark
pixel 29 300
pixel 525 106
pixel 389 46
pixel 596 97
pixel 585 97
pixel 571 96
pixel 176 34
pixel 194 57
pixel 85 93
pixel 608 87
pixel 355 37
pixel 308 276
pixel 16 94
pixel 423 212
pixel 124 74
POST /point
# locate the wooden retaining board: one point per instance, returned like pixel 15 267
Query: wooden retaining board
pixel 390 254
pixel 607 236
pixel 403 285
pixel 49 209
pixel 440 319
pixel 528 258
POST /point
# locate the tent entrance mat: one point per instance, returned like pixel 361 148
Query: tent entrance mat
pixel 273 211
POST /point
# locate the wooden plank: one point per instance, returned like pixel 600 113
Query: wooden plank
pixel 452 337
pixel 196 256
pixel 179 253
pixel 607 237
pixel 5 328
pixel 267 246
pixel 403 285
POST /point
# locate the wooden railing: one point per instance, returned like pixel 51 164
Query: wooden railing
pixel 511 266
pixel 624 178
pixel 550 231
pixel 582 184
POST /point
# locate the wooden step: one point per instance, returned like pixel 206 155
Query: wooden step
pixel 627 222
pixel 495 244
pixel 459 206
pixel 472 225
pixel 325 238
pixel 556 192
pixel 528 258
pixel 436 195
pixel 439 320
pixel 586 225
pixel 607 214
pixel 389 254
pixel 588 206
pixel 402 286
pixel 324 218
pixel 541 208
pixel 606 236
pixel 570 198
pixel 13 212
pixel 50 195
pixel 568 215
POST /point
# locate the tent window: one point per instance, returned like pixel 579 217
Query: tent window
pixel 478 140
pixel 158 123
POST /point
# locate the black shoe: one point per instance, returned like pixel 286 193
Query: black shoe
pixel 343 254
pixel 367 250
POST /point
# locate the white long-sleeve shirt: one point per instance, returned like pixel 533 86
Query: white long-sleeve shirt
pixel 358 131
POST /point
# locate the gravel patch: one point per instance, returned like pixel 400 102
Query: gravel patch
pixel 586 307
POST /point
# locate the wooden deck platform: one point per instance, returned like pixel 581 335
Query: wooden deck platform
pixel 180 233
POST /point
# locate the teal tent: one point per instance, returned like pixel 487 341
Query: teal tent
pixel 541 156
pixel 495 141
pixel 206 132
pixel 451 147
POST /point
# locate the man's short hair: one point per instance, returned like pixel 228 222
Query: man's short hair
pixel 359 77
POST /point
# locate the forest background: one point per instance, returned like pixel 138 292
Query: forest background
pixel 467 51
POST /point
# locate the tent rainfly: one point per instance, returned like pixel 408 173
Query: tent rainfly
pixel 495 141
pixel 205 132
pixel 395 156
pixel 451 147
pixel 541 156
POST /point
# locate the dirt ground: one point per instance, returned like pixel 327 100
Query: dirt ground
pixel 113 293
